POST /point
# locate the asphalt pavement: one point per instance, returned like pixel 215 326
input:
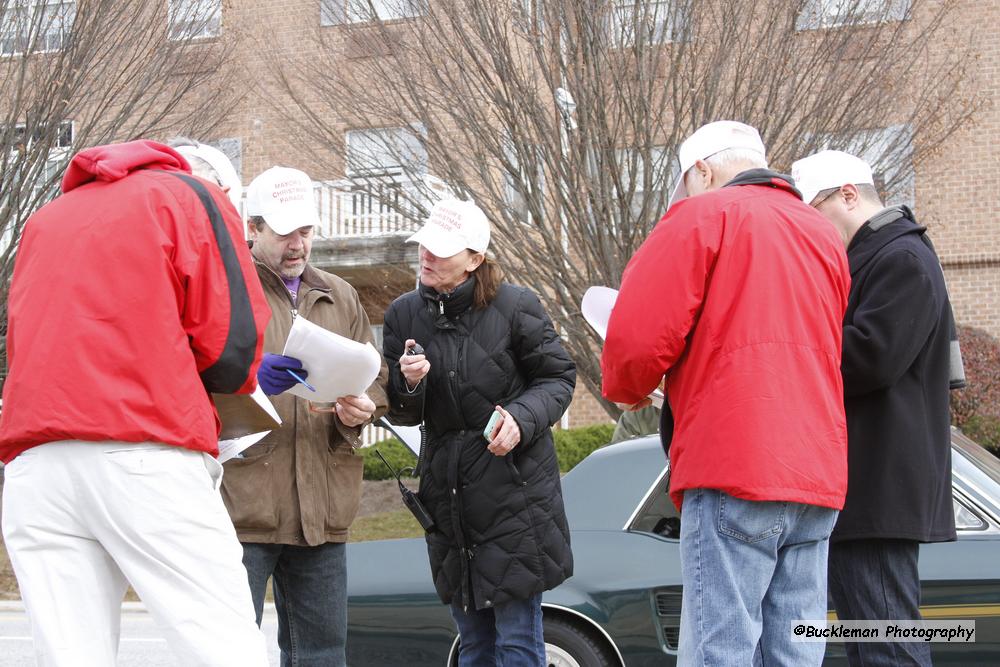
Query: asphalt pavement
pixel 141 645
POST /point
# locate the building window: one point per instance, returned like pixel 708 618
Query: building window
pixel 338 12
pixel 195 19
pixel 648 22
pixel 44 177
pixel 889 151
pixel 387 151
pixel 817 14
pixel 35 26
pixel 528 182
pixel 663 173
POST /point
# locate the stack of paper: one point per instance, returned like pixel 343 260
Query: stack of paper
pixel 337 366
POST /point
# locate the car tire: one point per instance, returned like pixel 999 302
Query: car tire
pixel 568 646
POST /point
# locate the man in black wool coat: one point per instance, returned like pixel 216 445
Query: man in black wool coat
pixel 897 364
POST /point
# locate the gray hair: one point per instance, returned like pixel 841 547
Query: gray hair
pixel 866 191
pixel 199 167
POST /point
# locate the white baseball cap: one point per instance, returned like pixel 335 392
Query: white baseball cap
pixel 711 139
pixel 829 169
pixel 218 161
pixel 284 198
pixel 453 226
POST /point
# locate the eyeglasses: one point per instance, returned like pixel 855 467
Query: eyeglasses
pixel 816 204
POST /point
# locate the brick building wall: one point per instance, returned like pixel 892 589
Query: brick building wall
pixel 956 191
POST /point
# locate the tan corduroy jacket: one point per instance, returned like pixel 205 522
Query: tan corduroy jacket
pixel 302 483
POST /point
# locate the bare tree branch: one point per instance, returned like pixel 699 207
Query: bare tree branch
pixel 572 194
pixel 78 74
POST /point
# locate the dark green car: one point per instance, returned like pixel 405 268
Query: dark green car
pixel 622 605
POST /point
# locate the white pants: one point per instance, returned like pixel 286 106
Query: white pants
pixel 82 520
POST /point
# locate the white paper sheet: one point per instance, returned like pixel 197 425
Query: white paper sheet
pixel 261 399
pixel 234 447
pixel 337 366
pixel 597 304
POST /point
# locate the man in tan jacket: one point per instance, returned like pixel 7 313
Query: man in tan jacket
pixel 293 496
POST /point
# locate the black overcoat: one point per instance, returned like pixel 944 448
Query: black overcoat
pixel 896 381
pixel 501 528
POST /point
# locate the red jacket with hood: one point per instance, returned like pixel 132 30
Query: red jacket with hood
pixel 738 296
pixel 129 303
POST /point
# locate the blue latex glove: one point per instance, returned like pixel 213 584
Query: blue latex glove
pixel 273 373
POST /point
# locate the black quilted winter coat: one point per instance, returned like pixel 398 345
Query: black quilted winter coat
pixel 501 529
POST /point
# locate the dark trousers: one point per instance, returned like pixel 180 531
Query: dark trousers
pixel 872 580
pixel 310 598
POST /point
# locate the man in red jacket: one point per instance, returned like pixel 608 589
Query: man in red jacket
pixel 737 298
pixel 133 297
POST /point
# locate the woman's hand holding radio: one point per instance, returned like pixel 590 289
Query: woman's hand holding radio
pixel 413 364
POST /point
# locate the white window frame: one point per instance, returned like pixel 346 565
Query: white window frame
pixel 825 14
pixel 664 21
pixel 18 23
pixel 194 19
pixel 385 153
pixel 340 12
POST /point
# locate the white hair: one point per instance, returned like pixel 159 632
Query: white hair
pixel 736 157
pixel 199 166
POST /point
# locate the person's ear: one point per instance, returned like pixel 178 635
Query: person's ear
pixel 851 196
pixel 475 259
pixel 703 172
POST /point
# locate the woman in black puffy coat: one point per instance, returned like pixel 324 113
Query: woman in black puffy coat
pixel 500 537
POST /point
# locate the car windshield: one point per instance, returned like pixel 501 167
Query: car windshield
pixel 979 457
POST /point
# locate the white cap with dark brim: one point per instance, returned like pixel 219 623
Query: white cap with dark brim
pixel 711 139
pixel 829 169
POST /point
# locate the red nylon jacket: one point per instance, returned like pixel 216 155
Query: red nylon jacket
pixel 129 303
pixel 738 296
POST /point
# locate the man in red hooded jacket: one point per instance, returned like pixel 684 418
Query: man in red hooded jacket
pixel 737 298
pixel 133 297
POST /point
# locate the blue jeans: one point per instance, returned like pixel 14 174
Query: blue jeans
pixel 872 580
pixel 749 569
pixel 507 635
pixel 310 596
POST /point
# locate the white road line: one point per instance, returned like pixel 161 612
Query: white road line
pixel 149 640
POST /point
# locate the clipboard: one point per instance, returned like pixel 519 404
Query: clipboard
pixel 245 414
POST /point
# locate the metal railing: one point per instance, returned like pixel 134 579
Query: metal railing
pixel 348 209
pixel 372 434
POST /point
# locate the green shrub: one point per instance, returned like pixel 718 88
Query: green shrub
pixel 396 453
pixel 976 408
pixel 572 446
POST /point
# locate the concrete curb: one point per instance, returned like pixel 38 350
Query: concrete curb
pixel 17 607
